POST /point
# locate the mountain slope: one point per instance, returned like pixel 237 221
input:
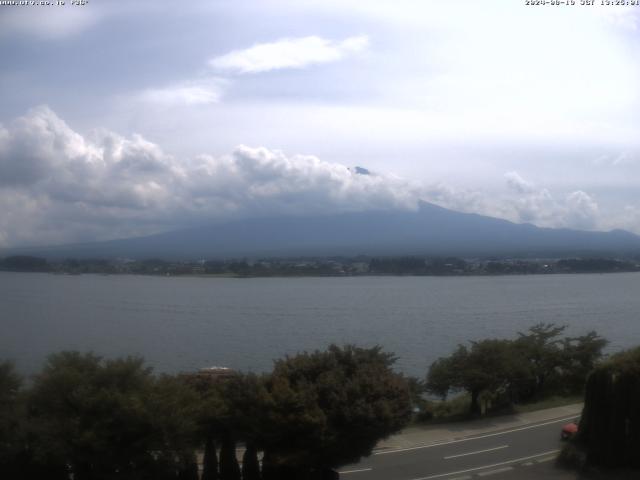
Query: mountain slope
pixel 431 230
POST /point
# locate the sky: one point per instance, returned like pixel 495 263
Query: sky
pixel 128 118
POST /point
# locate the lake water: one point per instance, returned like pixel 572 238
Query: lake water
pixel 181 324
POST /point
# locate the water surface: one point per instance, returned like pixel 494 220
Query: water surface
pixel 185 323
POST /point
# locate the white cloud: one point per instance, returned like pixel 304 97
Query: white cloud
pixel 539 206
pixel 516 182
pixel 194 92
pixel 524 202
pixel 582 210
pixel 59 186
pixel 289 53
pixel 621 159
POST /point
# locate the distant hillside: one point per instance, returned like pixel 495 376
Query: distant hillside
pixel 431 230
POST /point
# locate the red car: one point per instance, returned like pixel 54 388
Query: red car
pixel 569 430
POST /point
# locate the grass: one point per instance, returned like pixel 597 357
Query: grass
pixel 457 408
pixel 550 402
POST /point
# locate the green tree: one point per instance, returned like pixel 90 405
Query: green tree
pixel 487 366
pixel 245 399
pixel 250 463
pixel 541 347
pixel 537 363
pixel 173 410
pixel 12 424
pixel 330 408
pixel 210 459
pixel 581 355
pixel 610 423
pixel 211 404
pixel 108 417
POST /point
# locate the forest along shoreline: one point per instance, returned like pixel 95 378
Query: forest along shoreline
pixel 324 266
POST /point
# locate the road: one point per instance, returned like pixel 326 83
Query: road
pixel 493 453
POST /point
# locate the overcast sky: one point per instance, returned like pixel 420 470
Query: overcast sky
pixel 124 118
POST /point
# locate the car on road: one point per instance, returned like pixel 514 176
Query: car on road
pixel 569 430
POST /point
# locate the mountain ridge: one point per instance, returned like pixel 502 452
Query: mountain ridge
pixel 431 230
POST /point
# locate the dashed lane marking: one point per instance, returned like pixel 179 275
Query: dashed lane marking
pixel 546 459
pixel 484 467
pixel 494 472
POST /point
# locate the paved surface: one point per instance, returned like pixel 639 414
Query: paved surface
pixel 500 447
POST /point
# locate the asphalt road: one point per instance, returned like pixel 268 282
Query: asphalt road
pixel 494 453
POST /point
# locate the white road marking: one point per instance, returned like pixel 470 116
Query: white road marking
pixel 494 472
pixel 475 453
pixel 449 442
pixel 355 471
pixel 546 459
pixel 515 460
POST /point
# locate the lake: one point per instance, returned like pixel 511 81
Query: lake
pixel 184 323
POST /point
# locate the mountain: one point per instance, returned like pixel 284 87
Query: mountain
pixel 431 230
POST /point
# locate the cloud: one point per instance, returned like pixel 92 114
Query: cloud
pixel 283 54
pixel 524 202
pixel 193 92
pixel 59 186
pixel 289 53
pixel 516 182
pixel 539 206
pixel 621 159
pixel 582 210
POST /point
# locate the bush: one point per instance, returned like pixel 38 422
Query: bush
pixel 572 457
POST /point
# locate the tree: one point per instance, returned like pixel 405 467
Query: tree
pixel 232 407
pixel 210 460
pixel 488 366
pixel 250 464
pixel 173 409
pixel 229 468
pixel 330 408
pixel 581 355
pixel 107 417
pixel 25 263
pixel 12 426
pixel 541 347
pixel 245 402
pixel 610 423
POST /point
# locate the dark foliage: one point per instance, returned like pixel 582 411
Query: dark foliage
pixel 24 263
pixel 250 464
pixel 610 423
pixel 330 408
pixel 210 460
pixel 106 417
pixel 538 363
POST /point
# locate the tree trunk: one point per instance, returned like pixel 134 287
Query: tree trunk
pixel 250 464
pixel 268 468
pixel 188 468
pixel 229 468
pixel 474 408
pixel 210 460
